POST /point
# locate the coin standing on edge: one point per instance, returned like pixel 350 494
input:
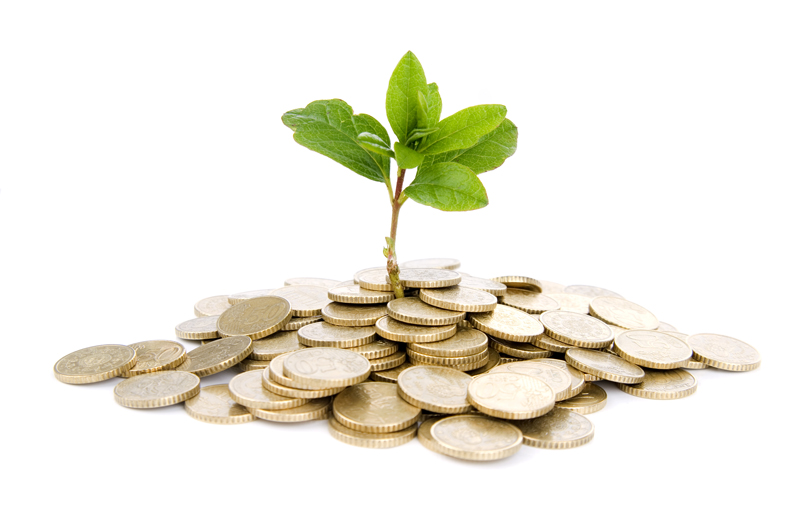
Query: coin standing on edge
pixel 157 389
pixel 94 364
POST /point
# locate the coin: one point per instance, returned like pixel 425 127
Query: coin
pixel 377 349
pixel 353 315
pixel 373 279
pixel 577 381
pixel 212 306
pixel 354 294
pixel 435 388
pixel 465 342
pixel 394 330
pixel 432 263
pixel 528 301
pixel 492 360
pixel 485 285
pixel 510 395
pixel 388 362
pixel 590 400
pixel 680 335
pixel 275 345
pixel 557 429
pixel 591 378
pixel 665 327
pixel 156 355
pixel 247 390
pixel 273 380
pixel 217 356
pixel 325 334
pixel 652 349
pixel 389 375
pixel 253 365
pixel 311 281
pixel 549 287
pixel 457 298
pixel 545 342
pixel 421 358
pixel 256 318
pixel 577 329
pixel 204 327
pixel 371 440
pixel 412 310
pixel 622 313
pixel 374 407
pixel 156 389
pixel 604 365
pixel 94 364
pixel 214 404
pixel 590 291
pixel 505 359
pixel 572 302
pixel 508 323
pixel 558 379
pixel 311 411
pixel 428 278
pixel 298 322
pixel 471 437
pixel 724 352
pixel 519 350
pixel 323 368
pixel 305 300
pixel 524 282
pixel 243 296
pixel 693 364
pixel 670 384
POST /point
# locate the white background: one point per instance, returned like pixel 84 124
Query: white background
pixel 144 166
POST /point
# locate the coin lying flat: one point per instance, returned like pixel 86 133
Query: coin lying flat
pixel 604 365
pixel 477 359
pixel 248 390
pixel 354 294
pixel 377 349
pixel 670 384
pixel 519 350
pixel 591 291
pixel 528 301
pixel 510 395
pixel 324 368
pixel 157 389
pixel 652 349
pixel 693 364
pixel 94 364
pixel 274 381
pixel 558 379
pixel 572 302
pixel 275 345
pixel 724 352
pixel 353 315
pixel 389 375
pixel 491 361
pixel 394 330
pixel 557 429
pixel 457 298
pixel 471 437
pixel 298 322
pixel 325 334
pixel 311 411
pixel 590 400
pixel 508 323
pixel 305 300
pixel 256 318
pixel 482 284
pixel 374 407
pixel 432 263
pixel 435 388
pixel 622 313
pixel 465 342
pixel 311 281
pixel 217 356
pixel 253 365
pixel 371 440
pixel 388 362
pixel 198 328
pixel 212 306
pixel 428 278
pixel 577 329
pixel 156 355
pixel 414 311
pixel 523 282
pixel 373 279
pixel 214 404
pixel 243 296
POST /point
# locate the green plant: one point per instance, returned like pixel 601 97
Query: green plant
pixel 449 153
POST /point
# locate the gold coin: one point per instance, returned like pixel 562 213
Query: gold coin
pixel 243 296
pixel 276 344
pixel 412 310
pixel 693 364
pixel 577 381
pixel 214 404
pixel 670 384
pixel 604 365
pixel 432 263
pixel 665 327
pixel 508 323
pixel 389 375
pixel 558 379
pixel 217 356
pixel 273 380
pixel 198 328
pixel 157 389
pixel 374 407
pixel 510 395
pixel 505 359
pixel 305 300
pixel 465 342
pixel 590 400
pixel 421 358
pixel 591 378
pixel 591 291
pixel 652 349
pixel 460 367
pixel 377 349
pixel 428 278
pixel 471 437
pixel 325 334
pixel 723 352
pixel 353 315
pixel 577 329
pixel 457 298
pixel 324 368
pixel 253 365
pixel 94 364
pixel 394 330
pixel 492 360
pixel 373 279
pixel 311 281
pixel 354 294
pixel 371 440
pixel 435 388
pixel 520 350
pixel 484 285
pixel 311 411
pixel 526 283
pixel 572 302
pixel 298 322
pixel 622 313
pixel 557 429
pixel 549 287
pixel 528 301
pixel 545 342
pixel 388 362
pixel 157 355
pixel 256 318
pixel 247 390
pixel 212 306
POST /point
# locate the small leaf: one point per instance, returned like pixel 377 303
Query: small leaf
pixel 401 97
pixel 407 157
pixel 422 111
pixel 420 133
pixel 448 186
pixel 374 143
pixel 464 128
pixel 434 104
pixel 489 153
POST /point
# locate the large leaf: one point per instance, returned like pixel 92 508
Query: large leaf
pixel 407 157
pixel 489 153
pixel 401 97
pixel 434 104
pixel 463 129
pixel 330 128
pixel 448 186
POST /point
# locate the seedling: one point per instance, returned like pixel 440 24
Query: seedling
pixel 449 154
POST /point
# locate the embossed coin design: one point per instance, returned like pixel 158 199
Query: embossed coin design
pixel 156 355
pixel 465 342
pixel 528 301
pixel 273 380
pixel 558 379
pixel 374 407
pixel 510 395
pixel 214 404
pixel 247 390
pixel 158 389
pixel 557 429
pixel 471 437
pixel 212 306
pixel 435 388
pixel 604 365
pixel 428 278
pixel 326 334
pixel 577 329
pixel 353 315
pixel 217 356
pixel 652 349
pixel 371 440
pixel 412 310
pixel 198 328
pixel 394 330
pixel 508 323
pixel 670 384
pixel 256 318
pixel 432 263
pixel 323 368
pixel 457 298
pixel 724 352
pixel 485 285
pixel 576 377
pixel 305 300
pixel 590 400
pixel 623 313
pixel 94 364
pixel 275 345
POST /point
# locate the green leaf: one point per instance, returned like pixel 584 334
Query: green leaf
pixel 448 186
pixel 434 104
pixel 422 111
pixel 407 157
pixel 330 128
pixel 374 143
pixel 463 129
pixel 489 153
pixel 401 97
pixel 420 133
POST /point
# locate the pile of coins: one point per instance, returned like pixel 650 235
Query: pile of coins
pixel 472 367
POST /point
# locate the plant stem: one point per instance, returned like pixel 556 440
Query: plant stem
pixel 391 264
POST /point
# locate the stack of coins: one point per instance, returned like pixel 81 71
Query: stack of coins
pixel 473 367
